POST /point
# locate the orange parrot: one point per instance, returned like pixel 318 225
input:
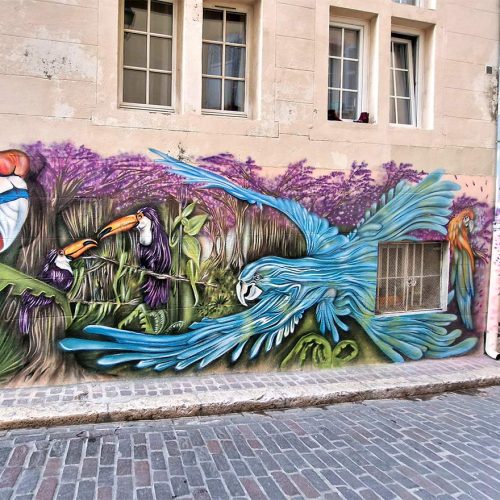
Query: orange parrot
pixel 463 263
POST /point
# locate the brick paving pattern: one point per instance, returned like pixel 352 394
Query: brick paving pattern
pixel 446 446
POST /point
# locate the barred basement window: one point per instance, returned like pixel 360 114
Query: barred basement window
pixel 412 277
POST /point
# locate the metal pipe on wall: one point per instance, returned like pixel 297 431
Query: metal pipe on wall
pixel 491 335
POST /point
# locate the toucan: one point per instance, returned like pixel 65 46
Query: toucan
pixel 152 249
pixel 56 272
pixel 14 204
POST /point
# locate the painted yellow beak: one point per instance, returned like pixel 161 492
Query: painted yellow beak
pixel 77 248
pixel 118 226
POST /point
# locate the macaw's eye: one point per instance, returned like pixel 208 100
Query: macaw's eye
pixel 257 277
pixel 140 215
pixel 61 252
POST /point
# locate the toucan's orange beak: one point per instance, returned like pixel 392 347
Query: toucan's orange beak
pixel 77 248
pixel 118 226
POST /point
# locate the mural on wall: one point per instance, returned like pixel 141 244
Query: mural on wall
pixel 125 265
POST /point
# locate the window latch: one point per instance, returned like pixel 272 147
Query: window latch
pixel 412 282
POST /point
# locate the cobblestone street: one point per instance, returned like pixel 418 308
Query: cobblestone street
pixel 446 446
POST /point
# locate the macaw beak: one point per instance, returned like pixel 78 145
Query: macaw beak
pixel 77 248
pixel 118 226
pixel 247 291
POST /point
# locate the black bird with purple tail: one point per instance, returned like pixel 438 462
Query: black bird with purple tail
pixel 56 272
pixel 153 251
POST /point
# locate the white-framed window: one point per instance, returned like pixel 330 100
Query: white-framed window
pixel 345 71
pixel 403 105
pixel 407 2
pixel 412 277
pixel 148 48
pixel 224 60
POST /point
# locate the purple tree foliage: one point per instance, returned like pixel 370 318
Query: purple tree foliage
pixel 67 171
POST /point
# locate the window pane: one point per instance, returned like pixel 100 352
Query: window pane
pixel 402 84
pixel 334 73
pixel 212 59
pixel 334 101
pixel 400 55
pixel 426 293
pixel 212 24
pixel 235 62
pixel 350 75
pixel 351 43
pixel 392 118
pixel 234 95
pixel 349 105
pixel 335 42
pixel 404 111
pixel 135 15
pixel 160 53
pixel 134 86
pixel 161 18
pixel 160 89
pixel 134 50
pixel 235 27
pixel 432 259
pixel 211 93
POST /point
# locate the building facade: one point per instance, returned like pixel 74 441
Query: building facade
pixel 378 118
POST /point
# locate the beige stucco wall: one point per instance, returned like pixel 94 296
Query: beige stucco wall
pixel 59 66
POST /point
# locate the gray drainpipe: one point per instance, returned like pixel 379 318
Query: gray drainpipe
pixel 491 335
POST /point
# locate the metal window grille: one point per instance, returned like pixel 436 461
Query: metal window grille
pixel 224 57
pixel 148 39
pixel 410 277
pixel 344 72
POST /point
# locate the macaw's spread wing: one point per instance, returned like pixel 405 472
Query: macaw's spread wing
pixel 269 321
pixel 462 281
pixel 320 236
pixel 407 208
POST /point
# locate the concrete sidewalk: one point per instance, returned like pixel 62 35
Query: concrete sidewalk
pixel 170 397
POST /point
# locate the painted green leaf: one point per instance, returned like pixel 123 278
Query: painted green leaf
pixel 194 225
pixel 177 221
pixel 188 210
pixel 191 248
pixel 192 272
pixel 21 282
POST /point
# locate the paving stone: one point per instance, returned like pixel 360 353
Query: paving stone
pixel 451 449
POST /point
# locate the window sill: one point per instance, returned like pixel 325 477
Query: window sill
pixel 405 313
pixel 232 114
pixel 351 124
pixel 145 107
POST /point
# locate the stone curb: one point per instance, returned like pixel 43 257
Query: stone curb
pixel 223 402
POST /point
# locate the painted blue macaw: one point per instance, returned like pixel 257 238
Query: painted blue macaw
pixel 337 278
